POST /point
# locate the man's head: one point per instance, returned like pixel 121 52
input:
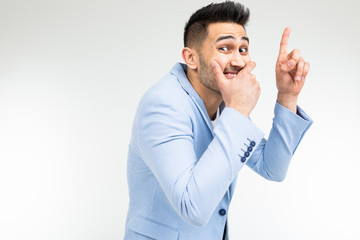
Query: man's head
pixel 196 31
pixel 216 32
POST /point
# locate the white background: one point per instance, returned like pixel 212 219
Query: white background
pixel 72 73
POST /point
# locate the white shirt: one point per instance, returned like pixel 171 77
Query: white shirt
pixel 216 118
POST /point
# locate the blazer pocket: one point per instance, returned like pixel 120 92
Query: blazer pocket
pixel 152 229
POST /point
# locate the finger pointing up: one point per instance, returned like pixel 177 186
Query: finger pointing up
pixel 284 43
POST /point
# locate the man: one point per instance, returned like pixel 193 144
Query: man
pixel 192 133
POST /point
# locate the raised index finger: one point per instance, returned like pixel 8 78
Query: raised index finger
pixel 284 41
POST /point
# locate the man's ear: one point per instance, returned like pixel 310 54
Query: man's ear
pixel 190 57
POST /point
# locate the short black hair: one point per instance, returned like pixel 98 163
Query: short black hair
pixel 195 30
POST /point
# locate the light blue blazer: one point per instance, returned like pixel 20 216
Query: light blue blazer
pixel 182 171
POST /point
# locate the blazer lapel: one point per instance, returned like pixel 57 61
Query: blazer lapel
pixel 179 70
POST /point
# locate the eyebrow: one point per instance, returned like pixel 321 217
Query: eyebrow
pixel 231 37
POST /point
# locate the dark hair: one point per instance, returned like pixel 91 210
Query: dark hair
pixel 196 28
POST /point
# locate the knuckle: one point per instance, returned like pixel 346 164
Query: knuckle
pixel 297 51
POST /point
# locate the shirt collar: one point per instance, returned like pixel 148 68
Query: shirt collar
pixel 179 70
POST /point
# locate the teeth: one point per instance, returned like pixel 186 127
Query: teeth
pixel 231 74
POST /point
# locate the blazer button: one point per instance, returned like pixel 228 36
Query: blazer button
pixel 247 154
pixel 250 149
pixel 222 212
pixel 252 143
pixel 243 159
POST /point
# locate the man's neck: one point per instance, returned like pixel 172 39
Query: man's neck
pixel 211 99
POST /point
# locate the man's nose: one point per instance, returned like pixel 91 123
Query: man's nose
pixel 237 60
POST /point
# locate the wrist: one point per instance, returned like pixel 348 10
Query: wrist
pixel 239 109
pixel 288 101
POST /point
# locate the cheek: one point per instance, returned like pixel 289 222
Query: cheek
pixel 223 60
pixel 247 59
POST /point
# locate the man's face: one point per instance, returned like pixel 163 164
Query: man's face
pixel 228 44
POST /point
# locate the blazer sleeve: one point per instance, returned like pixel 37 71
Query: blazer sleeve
pixel 194 186
pixel 272 157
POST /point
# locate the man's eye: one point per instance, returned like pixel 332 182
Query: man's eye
pixel 243 50
pixel 225 49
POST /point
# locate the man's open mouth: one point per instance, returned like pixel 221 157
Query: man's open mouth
pixel 230 75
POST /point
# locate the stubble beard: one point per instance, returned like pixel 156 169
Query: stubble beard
pixel 207 77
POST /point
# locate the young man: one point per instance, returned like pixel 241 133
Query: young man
pixel 192 133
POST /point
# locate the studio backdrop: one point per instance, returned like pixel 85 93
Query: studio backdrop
pixel 73 72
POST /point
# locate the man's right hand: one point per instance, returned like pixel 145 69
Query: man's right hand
pixel 240 92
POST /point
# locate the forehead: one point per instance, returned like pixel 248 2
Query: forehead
pixel 216 30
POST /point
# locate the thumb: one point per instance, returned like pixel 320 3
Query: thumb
pixel 219 75
pixel 287 66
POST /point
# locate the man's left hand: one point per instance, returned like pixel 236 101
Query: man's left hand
pixel 291 71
